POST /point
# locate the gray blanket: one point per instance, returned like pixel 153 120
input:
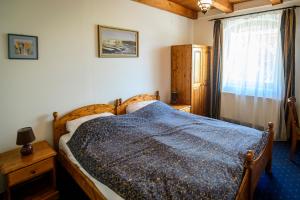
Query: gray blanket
pixel 161 153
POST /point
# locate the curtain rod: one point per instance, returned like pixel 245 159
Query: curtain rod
pixel 254 13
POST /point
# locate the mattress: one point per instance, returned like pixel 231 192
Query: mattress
pixel 106 191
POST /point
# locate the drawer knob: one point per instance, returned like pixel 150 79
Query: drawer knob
pixel 33 172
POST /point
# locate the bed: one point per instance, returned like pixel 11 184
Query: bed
pixel 253 167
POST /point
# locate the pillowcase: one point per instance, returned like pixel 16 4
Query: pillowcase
pixel 72 125
pixel 138 105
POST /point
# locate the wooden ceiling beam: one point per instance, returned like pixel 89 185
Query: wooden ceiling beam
pixel 223 5
pixel 275 2
pixel 237 1
pixel 191 4
pixel 171 7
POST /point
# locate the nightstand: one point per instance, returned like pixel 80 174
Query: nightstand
pixel 184 108
pixel 32 176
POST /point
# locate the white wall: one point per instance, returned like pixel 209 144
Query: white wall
pixel 68 73
pixel 203 31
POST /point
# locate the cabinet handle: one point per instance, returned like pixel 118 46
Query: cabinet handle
pixel 33 172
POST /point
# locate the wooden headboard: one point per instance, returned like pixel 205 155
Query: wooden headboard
pixel 121 107
pixel 59 123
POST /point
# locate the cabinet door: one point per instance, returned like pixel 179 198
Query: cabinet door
pixel 196 65
pixel 200 80
pixel 196 81
pixel 196 101
pixel 181 64
pixel 204 82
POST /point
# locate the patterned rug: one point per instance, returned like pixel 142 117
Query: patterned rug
pixel 284 184
pixel 285 180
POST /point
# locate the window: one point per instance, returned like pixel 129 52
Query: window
pixel 252 56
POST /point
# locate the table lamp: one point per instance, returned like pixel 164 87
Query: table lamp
pixel 25 137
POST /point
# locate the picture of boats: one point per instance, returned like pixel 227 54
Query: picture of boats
pixel 115 42
pixel 112 46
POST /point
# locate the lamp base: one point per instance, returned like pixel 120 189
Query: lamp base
pixel 26 149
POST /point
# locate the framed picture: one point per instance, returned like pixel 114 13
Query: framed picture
pixel 22 47
pixel 117 42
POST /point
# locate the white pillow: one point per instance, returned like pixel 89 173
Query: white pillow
pixel 136 106
pixel 74 124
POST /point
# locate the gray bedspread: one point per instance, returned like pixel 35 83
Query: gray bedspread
pixel 161 153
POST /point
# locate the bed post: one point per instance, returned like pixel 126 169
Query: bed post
pixel 249 167
pixel 271 137
pixel 255 166
pixel 55 116
pixel 118 102
pixel 157 95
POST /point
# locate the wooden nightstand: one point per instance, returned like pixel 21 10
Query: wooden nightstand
pixel 32 176
pixel 185 108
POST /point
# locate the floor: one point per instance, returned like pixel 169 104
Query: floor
pixel 285 180
pixel 283 184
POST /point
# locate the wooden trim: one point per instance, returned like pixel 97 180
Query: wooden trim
pixel 223 5
pixel 171 7
pixel 59 124
pixel 275 2
pixel 121 107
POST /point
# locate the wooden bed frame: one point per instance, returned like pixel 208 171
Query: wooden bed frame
pixel 121 107
pixel 253 168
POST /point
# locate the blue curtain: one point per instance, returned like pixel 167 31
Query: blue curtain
pixel 216 71
pixel 288 34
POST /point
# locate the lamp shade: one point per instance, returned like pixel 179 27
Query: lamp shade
pixel 204 5
pixel 25 136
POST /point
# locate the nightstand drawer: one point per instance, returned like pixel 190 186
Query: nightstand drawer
pixel 184 108
pixel 29 172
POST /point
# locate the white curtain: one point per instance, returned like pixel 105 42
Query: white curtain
pixel 252 82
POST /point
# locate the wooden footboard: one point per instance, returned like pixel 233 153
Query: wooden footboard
pixel 255 167
pixel 81 179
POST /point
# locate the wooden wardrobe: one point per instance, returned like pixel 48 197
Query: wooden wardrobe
pixel 191 76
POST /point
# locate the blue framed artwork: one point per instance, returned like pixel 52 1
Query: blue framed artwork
pixel 22 47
